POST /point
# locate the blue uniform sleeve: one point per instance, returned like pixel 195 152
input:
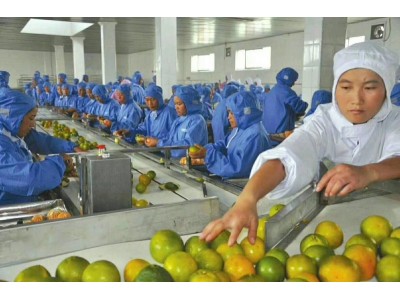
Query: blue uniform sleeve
pixel 24 178
pixel 43 143
pixel 299 106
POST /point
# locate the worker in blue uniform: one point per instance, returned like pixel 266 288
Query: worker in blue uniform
pixel 108 109
pixel 220 123
pixel 159 121
pixel 319 97
pixel 23 179
pixel 129 114
pixel 282 105
pixel 189 128
pixel 137 88
pixel 395 94
pixel 233 157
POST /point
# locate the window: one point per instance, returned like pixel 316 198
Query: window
pixel 354 40
pixel 253 59
pixel 203 63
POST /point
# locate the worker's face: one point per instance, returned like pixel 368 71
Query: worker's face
pixel 59 90
pixel 360 94
pixel 152 103
pixel 180 107
pixel 65 92
pixel 120 97
pixel 28 123
pixel 90 94
pixel 232 119
pixel 47 89
pixel 99 99
pixel 82 92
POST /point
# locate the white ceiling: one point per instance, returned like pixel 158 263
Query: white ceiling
pixel 136 34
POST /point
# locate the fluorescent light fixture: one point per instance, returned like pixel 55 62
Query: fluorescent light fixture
pixel 50 27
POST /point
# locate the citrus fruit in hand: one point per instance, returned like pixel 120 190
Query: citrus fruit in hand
pixel 253 252
pixel 276 209
pixel 152 174
pixel 133 268
pixel 238 266
pixel 388 269
pixel 154 273
pixel 223 237
pixel 35 273
pixel 180 265
pixel 339 268
pixel 332 232
pixel 71 269
pixel 144 179
pixel 202 275
pixel 280 254
pixel 376 228
pixel 101 271
pixel 365 258
pixel 271 269
pixel 195 245
pixel 318 252
pixel 311 240
pixel 390 246
pixel 360 239
pixel 227 251
pixel 209 259
pixel 300 263
pixel 164 243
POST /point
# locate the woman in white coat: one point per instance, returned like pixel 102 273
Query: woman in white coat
pixel 359 132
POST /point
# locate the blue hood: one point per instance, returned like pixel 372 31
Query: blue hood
pixel 395 92
pixel 4 78
pixel 90 86
pixel 287 76
pixel 137 77
pixel 126 90
pixel 319 97
pixel 13 108
pixel 206 92
pixel 191 98
pixel 244 106
pixel 230 89
pixel 101 91
pixel 155 92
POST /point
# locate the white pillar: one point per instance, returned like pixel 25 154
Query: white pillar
pixel 60 61
pixel 166 54
pixel 108 51
pixel 323 37
pixel 78 52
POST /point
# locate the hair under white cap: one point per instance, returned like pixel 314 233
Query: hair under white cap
pixel 368 55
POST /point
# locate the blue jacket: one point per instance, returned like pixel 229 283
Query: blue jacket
pixel 319 97
pixel 395 94
pixel 109 109
pixel 281 104
pixel 22 180
pixel 233 157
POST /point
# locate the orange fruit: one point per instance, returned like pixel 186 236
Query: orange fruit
pixel 223 237
pixel 223 276
pixel 164 243
pixel 238 266
pixel 318 252
pixel 280 254
pixel 332 232
pixel 71 269
pixel 300 263
pixel 133 268
pixel 366 259
pixel 154 273
pixel 308 277
pixel 202 275
pixel 390 246
pixel 37 218
pixel 252 278
pixel 209 259
pixel 376 228
pixel 271 269
pixel 388 269
pixel 101 271
pixel 361 239
pixel 253 252
pixel 144 179
pixel 395 233
pixel 227 251
pixel 311 240
pixel 63 215
pixel 339 268
pixel 261 233
pixel 140 188
pixel 195 245
pixel 276 209
pixel 180 265
pixel 35 273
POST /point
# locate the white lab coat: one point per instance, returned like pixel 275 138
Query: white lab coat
pixel 328 135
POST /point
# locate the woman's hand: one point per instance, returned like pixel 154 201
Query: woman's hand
pixel 200 153
pixel 242 214
pixel 150 142
pixel 344 179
